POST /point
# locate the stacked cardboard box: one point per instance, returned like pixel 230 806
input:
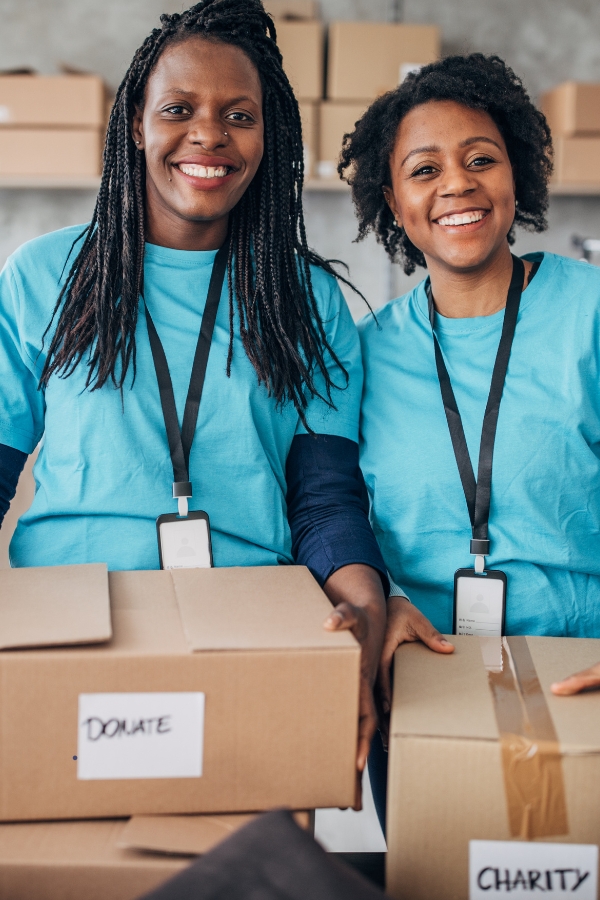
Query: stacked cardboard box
pixel 160 693
pixel 573 113
pixel 494 782
pixel 51 126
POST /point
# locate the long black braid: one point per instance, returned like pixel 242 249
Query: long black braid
pixel 270 284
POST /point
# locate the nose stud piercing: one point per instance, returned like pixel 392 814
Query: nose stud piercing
pixel 225 133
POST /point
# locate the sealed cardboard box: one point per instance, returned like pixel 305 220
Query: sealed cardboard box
pixel 50 152
pixel 309 114
pixel 120 859
pixel 301 45
pixel 293 9
pixel 576 160
pixel 74 101
pixel 335 120
pixel 366 59
pixel 219 691
pixel 573 109
pixel 494 782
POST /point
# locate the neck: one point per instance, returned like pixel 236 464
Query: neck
pixel 165 229
pixel 481 291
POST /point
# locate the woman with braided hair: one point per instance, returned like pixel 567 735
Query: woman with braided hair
pixel 198 230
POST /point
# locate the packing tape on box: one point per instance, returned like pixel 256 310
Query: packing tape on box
pixel 531 758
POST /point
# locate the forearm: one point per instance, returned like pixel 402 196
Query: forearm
pixel 360 586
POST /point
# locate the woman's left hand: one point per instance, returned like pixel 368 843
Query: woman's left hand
pixel 357 594
pixel 587 680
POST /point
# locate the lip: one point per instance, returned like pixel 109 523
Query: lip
pixel 463 229
pixel 206 184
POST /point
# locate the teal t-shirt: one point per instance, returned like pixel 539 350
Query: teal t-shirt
pixel 104 472
pixel 545 508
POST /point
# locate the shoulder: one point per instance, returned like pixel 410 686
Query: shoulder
pixel 395 315
pixel 47 256
pixel 562 274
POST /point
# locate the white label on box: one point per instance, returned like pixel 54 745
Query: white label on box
pixel 526 868
pixel 140 736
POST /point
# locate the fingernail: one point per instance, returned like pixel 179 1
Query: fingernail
pixel 444 641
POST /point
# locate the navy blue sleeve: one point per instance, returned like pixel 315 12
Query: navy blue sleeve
pixel 11 466
pixel 328 507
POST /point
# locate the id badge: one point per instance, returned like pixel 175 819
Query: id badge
pixel 479 602
pixel 184 542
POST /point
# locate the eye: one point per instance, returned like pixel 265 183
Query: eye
pixel 177 110
pixel 424 170
pixel 241 117
pixel 480 161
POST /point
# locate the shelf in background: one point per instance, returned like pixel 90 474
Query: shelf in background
pixel 575 190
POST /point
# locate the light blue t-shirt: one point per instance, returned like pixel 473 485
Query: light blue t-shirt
pixel 545 508
pixel 104 472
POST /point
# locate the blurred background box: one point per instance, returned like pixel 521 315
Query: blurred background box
pixel 302 48
pixel 335 120
pixel 573 109
pixel 293 9
pixel 50 151
pixel 309 114
pixel 66 101
pixel 366 59
pixel 576 160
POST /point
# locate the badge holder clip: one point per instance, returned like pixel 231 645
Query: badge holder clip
pixel 480 549
pixel 182 491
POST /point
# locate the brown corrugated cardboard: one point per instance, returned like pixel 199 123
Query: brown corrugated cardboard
pixel 293 9
pixel 49 151
pixel 301 45
pixel 116 859
pixel 309 114
pixel 335 120
pixel 280 695
pixel 366 59
pixel 572 109
pixel 75 101
pixel 447 783
pixel 576 160
pixel 72 608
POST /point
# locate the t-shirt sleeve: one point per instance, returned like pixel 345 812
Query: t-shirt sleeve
pixel 343 338
pixel 22 405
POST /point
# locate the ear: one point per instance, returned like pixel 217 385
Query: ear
pixel 391 202
pixel 137 128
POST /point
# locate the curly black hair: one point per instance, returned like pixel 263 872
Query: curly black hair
pixel 479 82
pixel 270 284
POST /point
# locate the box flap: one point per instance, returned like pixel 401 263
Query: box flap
pixel 254 608
pixel 54 606
pixel 449 696
pixel 184 835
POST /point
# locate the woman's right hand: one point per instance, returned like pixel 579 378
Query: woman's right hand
pixel 404 623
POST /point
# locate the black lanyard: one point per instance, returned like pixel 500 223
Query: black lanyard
pixel 478 495
pixel 181 440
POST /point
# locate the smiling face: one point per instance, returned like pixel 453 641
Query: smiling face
pixel 452 186
pixel 201 129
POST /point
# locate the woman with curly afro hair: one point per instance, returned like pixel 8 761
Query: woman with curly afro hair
pixel 490 357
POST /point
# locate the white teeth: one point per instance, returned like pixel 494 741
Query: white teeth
pixel 203 171
pixel 462 218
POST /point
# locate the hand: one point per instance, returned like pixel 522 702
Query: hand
pixel 404 623
pixel 357 595
pixel 588 680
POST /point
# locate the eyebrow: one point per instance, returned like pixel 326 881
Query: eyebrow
pixel 433 148
pixel 183 93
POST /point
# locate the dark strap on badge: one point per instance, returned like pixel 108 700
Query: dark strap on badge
pixel 478 494
pixel 181 440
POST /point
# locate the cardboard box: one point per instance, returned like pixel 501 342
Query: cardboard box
pixel 219 691
pixel 292 9
pixel 50 152
pixel 490 754
pixel 309 114
pixel 301 45
pixel 74 101
pixel 335 120
pixel 573 109
pixel 120 859
pixel 576 160
pixel 366 59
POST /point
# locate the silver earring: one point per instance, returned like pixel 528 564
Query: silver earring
pixel 138 142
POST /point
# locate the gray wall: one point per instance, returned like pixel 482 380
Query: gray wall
pixel 546 41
